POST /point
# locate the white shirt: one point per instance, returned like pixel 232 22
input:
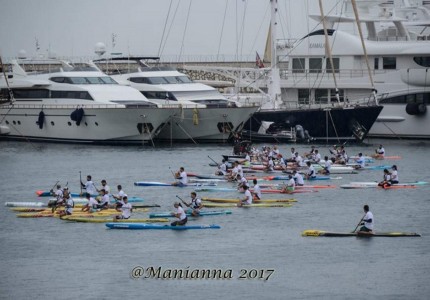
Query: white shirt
pixel 291 183
pixel 381 151
pixel 105 199
pixel 126 210
pixel 317 157
pixel 69 205
pixel 270 165
pixel 311 172
pixel 106 188
pixel 327 165
pixel 58 194
pixel 90 188
pixel 257 191
pixel 223 168
pixel 121 194
pixel 181 213
pixel 240 170
pixel 361 161
pixel 234 172
pixel 184 178
pixel 243 182
pixel 394 176
pixel 367 217
pixel 248 196
pixel 92 202
pixel 299 178
pixel 195 203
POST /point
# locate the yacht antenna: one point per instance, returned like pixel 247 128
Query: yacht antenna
pixel 357 20
pixel 328 51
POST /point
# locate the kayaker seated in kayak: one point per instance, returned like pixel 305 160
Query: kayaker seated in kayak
pixel 293 155
pixel 104 187
pixel 69 205
pixel 270 165
pixel 361 161
pixel 119 197
pixel 311 153
pixel 222 169
pixel 242 182
pixel 91 206
pixel 196 204
pixel 386 181
pixel 180 214
pixel 298 160
pixel 58 194
pixel 367 220
pixel 298 178
pixel 126 210
pixel 327 166
pixel 104 203
pixel 247 198
pixel 256 194
pixel 290 185
pixel 311 171
pixel 379 153
pixel 182 177
pixel 234 172
pixel 394 177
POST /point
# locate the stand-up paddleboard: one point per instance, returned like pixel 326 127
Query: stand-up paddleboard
pixel 393 186
pixel 202 213
pixel 316 233
pixel 231 200
pixel 282 177
pixel 155 226
pixel 106 220
pixel 375 183
pixel 155 183
pixel 259 205
pixel 42 193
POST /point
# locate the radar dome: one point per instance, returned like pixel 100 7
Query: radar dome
pixel 22 54
pixel 100 49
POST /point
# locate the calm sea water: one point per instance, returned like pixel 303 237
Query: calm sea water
pixel 49 259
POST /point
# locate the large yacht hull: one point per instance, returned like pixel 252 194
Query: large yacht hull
pixel 100 124
pixel 395 122
pixel 329 124
pixel 205 124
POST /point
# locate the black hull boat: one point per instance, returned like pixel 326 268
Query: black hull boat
pixel 333 124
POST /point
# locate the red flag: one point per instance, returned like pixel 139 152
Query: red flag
pixel 258 61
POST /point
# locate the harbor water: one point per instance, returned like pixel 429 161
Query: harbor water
pixel 259 252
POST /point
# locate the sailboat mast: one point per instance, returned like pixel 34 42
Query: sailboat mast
pixel 328 50
pixel 275 80
pixel 357 20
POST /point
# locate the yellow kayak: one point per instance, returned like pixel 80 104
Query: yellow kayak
pixel 222 200
pixel 77 210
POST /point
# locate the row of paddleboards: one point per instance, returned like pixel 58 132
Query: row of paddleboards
pixel 366 185
pixel 115 225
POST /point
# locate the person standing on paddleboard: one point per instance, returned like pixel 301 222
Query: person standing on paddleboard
pixel 89 186
pixel 367 220
pixel 180 214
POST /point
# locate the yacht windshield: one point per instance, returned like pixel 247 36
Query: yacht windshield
pixel 84 80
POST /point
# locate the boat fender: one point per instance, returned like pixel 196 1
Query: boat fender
pixel 195 116
pixel 416 108
pixel 41 119
pixel 77 115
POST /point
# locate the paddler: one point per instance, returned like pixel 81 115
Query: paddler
pixel 196 204
pixel 242 182
pixel 386 181
pixel 361 161
pixel 182 177
pixel 126 210
pixel 69 204
pixel 380 152
pixel 367 220
pixel 89 186
pixel 104 203
pixel 327 166
pixel 180 214
pixel 290 186
pixel 394 177
pixel 311 171
pixel 58 194
pixel 298 178
pixel 104 187
pixel 119 197
pixel 247 199
pixel 91 206
pixel 256 195
pixel 222 168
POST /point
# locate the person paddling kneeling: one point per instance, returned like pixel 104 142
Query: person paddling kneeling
pixel 180 214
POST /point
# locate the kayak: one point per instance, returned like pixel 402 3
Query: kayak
pixel 154 183
pixel 224 200
pixel 105 220
pixel 42 193
pixel 211 204
pixel 81 200
pixel 393 186
pixel 202 213
pixel 156 226
pixel 358 233
pixel 278 191
pixel 283 177
pixel 42 209
pixel 301 186
pixel 375 183
pixel 50 214
pixel 272 191
pixel 77 205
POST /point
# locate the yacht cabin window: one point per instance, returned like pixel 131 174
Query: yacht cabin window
pixel 389 63
pixel 335 63
pixel 376 63
pixel 298 65
pixel 315 65
pixel 84 80
pixel 423 61
pixel 303 96
pixel 321 96
pixel 161 80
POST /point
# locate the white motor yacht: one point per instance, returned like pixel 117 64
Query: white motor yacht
pixel 205 114
pixel 75 105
